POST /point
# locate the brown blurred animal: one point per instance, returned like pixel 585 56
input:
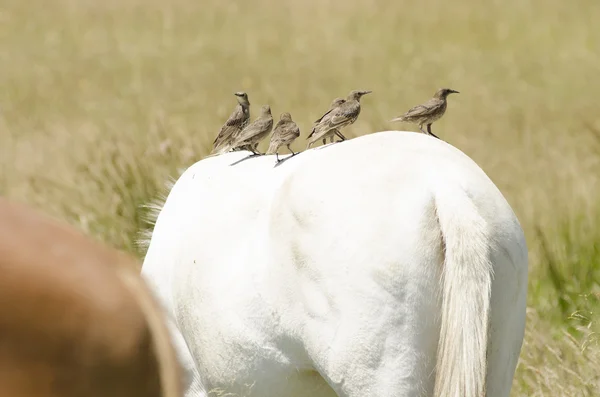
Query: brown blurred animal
pixel 76 318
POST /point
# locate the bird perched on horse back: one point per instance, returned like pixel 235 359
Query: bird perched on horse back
pixel 428 112
pixel 254 132
pixel 334 104
pixel 234 124
pixel 284 133
pixel 340 117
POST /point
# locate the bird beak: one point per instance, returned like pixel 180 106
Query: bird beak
pixel 454 92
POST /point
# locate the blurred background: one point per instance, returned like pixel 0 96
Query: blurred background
pixel 102 102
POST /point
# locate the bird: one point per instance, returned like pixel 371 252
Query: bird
pixel 339 117
pixel 284 133
pixel 428 112
pixel 254 132
pixel 334 104
pixel 234 124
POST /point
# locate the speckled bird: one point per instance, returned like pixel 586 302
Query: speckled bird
pixel 340 117
pixel 428 112
pixel 255 132
pixel 234 124
pixel 334 104
pixel 284 133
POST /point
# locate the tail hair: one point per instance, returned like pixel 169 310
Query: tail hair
pixel 466 293
pixel 153 207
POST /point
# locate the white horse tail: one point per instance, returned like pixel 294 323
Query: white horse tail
pixel 466 288
pixel 169 369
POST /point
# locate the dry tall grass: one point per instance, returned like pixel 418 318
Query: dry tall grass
pixel 100 102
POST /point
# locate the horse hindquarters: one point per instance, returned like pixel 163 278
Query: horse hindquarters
pixel 370 305
pixel 376 312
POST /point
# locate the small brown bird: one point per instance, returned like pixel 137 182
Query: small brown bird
pixel 428 112
pixel 234 124
pixel 254 132
pixel 334 104
pixel 284 133
pixel 339 117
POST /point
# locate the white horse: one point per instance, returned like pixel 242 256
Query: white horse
pixel 387 265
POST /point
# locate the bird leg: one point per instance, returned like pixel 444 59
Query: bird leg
pixel 325 140
pixel 277 157
pixel 290 149
pixel 421 128
pixel 339 134
pixel 254 150
pixel 431 133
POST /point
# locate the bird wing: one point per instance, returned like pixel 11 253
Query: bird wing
pixel 225 136
pixel 291 130
pixel 237 118
pixel 323 116
pixel 278 126
pixel 226 132
pixel 254 128
pixel 288 132
pixel 312 132
pixel 344 114
pixel 337 117
pixel 277 132
pixel 423 109
pixel 251 130
pixel 320 131
pixel 235 122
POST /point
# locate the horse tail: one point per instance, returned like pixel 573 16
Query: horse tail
pixel 466 288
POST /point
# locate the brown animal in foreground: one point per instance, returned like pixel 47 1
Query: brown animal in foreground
pixel 76 318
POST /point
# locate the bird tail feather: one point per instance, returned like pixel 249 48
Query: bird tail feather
pixel 272 148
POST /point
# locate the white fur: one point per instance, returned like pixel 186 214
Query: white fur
pixel 334 272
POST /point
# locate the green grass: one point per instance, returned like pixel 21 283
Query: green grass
pixel 101 103
pixel 561 353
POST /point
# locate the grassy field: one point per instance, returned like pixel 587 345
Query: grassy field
pixel 100 103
